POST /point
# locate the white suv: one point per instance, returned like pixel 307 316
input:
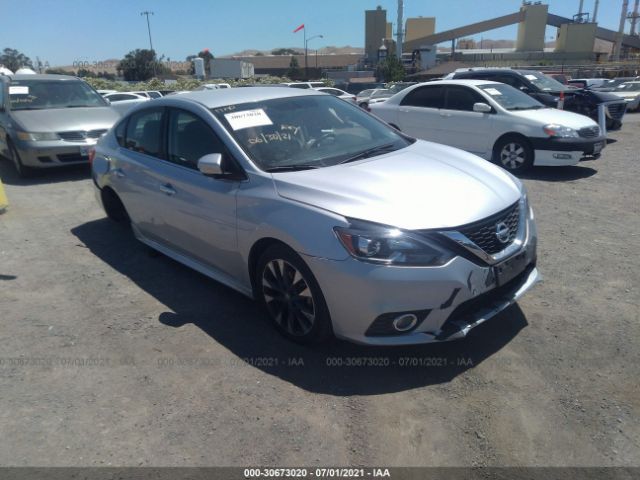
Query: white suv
pixel 494 121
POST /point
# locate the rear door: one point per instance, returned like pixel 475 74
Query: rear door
pixel 461 126
pixel 419 113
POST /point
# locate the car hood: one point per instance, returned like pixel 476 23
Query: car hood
pixel 65 119
pixel 552 115
pixel 627 94
pixel 425 185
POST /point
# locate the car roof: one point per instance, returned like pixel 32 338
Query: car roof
pixel 42 77
pixel 461 81
pixel 232 96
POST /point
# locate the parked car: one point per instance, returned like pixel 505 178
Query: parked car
pixel 547 91
pixel 380 95
pixel 494 121
pixel 357 87
pixel 213 86
pixel 611 84
pixel 630 92
pixel 303 85
pixel 106 92
pixel 587 82
pixel 121 102
pixel 364 96
pixel 148 93
pixel 336 92
pixel 332 220
pixel 50 120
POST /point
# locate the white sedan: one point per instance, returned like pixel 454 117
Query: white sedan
pixel 630 91
pixel 336 92
pixel 121 102
pixel 494 121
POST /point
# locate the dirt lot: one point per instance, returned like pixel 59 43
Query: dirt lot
pixel 110 355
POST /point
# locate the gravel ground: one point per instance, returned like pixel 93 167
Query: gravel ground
pixel 111 355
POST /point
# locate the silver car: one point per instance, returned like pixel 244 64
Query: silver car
pixel 50 120
pixel 333 221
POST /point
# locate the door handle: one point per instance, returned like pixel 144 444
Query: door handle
pixel 118 172
pixel 167 189
pixel 445 114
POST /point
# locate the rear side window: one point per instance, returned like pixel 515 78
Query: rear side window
pixel 429 97
pixel 144 132
pixel 121 131
pixel 461 98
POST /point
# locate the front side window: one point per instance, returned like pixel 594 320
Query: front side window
pixel 428 97
pixel 190 139
pixel 144 132
pixel 629 87
pixel 49 94
pixel 461 98
pixel 306 131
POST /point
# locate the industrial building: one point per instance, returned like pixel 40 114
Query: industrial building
pixel 575 39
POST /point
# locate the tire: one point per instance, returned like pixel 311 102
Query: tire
pixel 363 105
pixel 291 296
pixel 14 156
pixel 613 124
pixel 513 153
pixel 113 206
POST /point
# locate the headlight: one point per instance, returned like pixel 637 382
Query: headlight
pixel 38 137
pixel 559 131
pixel 391 246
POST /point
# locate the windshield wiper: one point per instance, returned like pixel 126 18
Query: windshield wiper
pixel 79 106
pixel 371 152
pixel 291 168
pixel 533 107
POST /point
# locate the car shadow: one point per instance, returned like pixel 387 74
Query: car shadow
pixel 69 173
pixel 558 174
pixel 233 320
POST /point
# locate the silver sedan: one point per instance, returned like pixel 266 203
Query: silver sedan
pixel 334 222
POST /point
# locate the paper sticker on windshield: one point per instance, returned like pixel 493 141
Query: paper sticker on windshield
pixel 248 118
pixel 492 91
pixel 18 90
pixel 531 77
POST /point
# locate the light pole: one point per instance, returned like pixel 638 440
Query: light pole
pixel 306 42
pixel 147 13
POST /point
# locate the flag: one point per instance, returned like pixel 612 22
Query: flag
pixel 299 28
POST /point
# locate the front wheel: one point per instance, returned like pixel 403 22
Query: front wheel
pixel 23 171
pixel 290 294
pixel 513 153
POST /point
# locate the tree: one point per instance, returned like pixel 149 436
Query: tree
pixel 59 71
pixel 391 69
pixel 13 59
pixel 283 51
pixel 140 65
pixel 294 68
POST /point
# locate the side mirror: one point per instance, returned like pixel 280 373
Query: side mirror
pixel 482 108
pixel 524 89
pixel 107 100
pixel 211 164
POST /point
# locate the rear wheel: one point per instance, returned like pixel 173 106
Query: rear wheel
pixel 513 153
pixel 14 156
pixel 113 206
pixel 290 294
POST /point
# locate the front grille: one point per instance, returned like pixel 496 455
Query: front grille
pixel 616 110
pixel 72 157
pixel 81 135
pixel 589 132
pixel 483 233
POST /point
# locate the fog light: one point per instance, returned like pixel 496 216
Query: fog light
pixel 562 156
pixel 405 322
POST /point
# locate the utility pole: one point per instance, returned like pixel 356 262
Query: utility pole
pixel 399 33
pixel 147 13
pixel 623 18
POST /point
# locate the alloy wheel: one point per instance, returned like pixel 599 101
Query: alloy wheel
pixel 288 297
pixel 513 156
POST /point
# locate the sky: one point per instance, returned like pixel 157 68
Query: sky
pixel 66 31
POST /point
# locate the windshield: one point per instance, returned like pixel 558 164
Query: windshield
pixel 306 132
pixel 544 82
pixel 628 87
pixel 510 98
pixel 45 94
